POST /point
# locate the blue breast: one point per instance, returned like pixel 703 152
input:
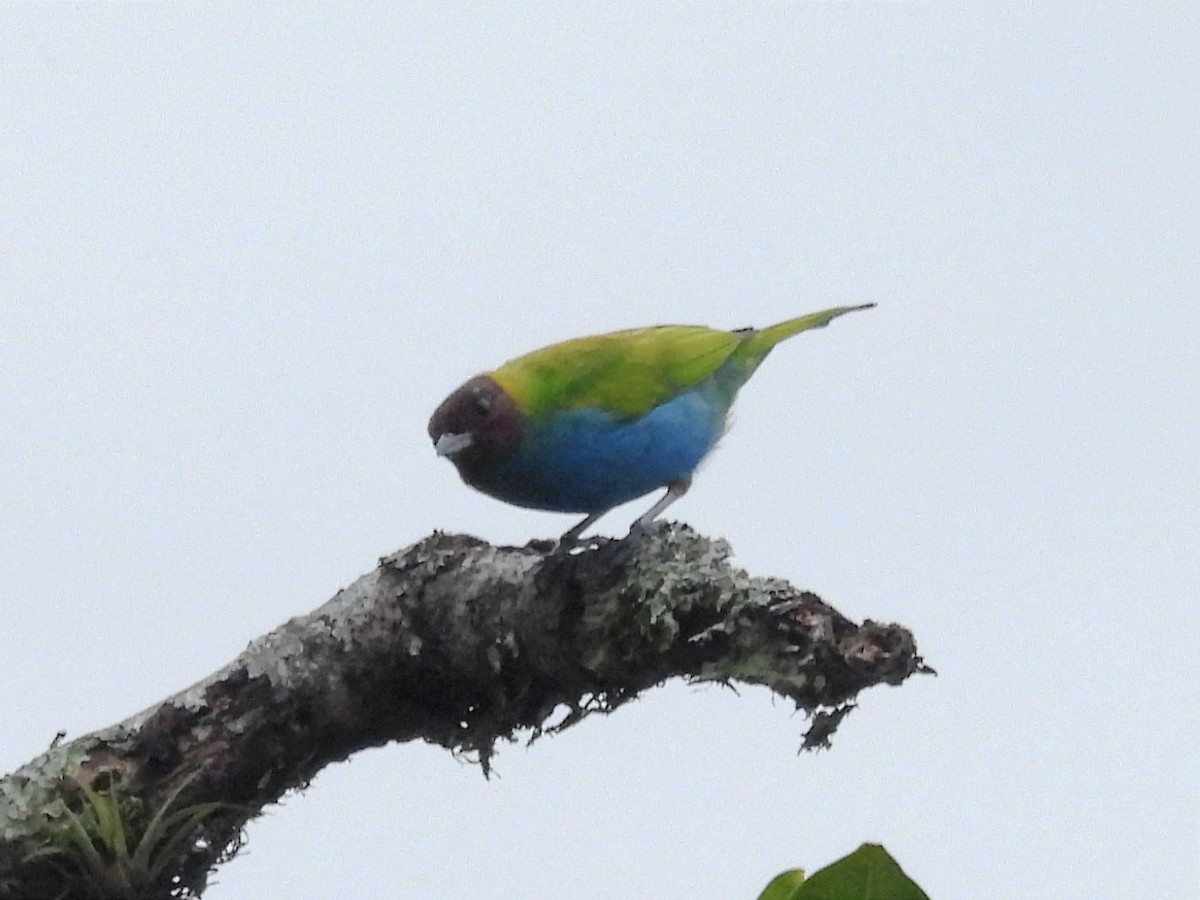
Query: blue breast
pixel 588 460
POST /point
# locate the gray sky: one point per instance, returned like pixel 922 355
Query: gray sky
pixel 243 253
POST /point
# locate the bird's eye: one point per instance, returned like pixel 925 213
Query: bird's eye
pixel 482 404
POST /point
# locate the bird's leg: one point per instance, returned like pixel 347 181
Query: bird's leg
pixel 675 490
pixel 572 535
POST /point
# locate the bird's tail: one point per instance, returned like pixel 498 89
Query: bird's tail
pixel 758 343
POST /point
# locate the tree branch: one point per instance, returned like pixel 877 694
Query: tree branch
pixel 451 641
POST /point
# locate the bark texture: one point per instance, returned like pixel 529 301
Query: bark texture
pixel 451 641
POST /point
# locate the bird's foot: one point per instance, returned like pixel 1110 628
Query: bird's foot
pixel 572 543
pixel 567 545
pixel 543 546
pixel 642 529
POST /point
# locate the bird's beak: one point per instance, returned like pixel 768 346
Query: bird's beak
pixel 449 443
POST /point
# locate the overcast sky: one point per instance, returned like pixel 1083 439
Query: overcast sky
pixel 245 251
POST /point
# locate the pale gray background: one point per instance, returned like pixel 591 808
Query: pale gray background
pixel 244 253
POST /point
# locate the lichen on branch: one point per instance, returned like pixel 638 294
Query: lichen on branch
pixel 451 641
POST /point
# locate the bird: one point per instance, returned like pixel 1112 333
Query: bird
pixel 588 424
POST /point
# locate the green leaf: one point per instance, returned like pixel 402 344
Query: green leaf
pixel 783 886
pixel 868 873
pixel 107 822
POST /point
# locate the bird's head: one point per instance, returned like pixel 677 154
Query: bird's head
pixel 477 426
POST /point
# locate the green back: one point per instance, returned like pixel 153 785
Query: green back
pixel 628 373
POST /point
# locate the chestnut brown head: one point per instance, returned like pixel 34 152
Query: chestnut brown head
pixel 477 426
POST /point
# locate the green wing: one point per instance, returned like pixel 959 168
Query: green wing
pixel 627 373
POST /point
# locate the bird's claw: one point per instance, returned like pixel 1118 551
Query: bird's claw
pixel 641 529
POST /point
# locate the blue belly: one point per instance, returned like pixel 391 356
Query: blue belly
pixel 587 460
